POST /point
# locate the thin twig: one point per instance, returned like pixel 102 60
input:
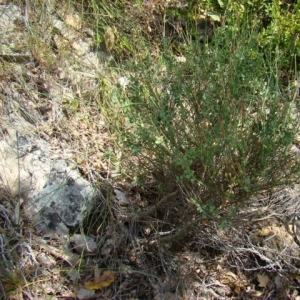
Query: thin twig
pixel 157 206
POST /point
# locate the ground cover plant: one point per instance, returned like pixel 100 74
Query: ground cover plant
pixel 188 127
pixel 221 118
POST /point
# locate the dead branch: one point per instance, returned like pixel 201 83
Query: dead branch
pixel 157 206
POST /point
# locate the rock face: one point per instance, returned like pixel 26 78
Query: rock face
pixel 63 201
pixel 55 196
pixel 53 193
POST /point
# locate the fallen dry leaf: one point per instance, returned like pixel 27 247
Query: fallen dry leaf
pixel 230 274
pixel 106 279
pixel 263 280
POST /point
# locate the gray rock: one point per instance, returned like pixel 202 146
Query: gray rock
pixel 55 195
pixel 63 200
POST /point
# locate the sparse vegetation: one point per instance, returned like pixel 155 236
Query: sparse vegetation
pixel 187 125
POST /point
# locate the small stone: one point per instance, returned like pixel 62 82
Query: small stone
pixel 83 244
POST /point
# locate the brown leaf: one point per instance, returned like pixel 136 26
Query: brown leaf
pixel 106 279
pixel 263 280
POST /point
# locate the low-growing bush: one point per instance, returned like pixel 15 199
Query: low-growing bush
pixel 219 124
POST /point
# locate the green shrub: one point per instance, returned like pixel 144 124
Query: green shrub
pixel 282 34
pixel 279 23
pixel 219 124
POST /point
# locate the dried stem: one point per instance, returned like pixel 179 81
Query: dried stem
pixel 157 206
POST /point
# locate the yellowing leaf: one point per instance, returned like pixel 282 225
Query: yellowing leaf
pixel 106 279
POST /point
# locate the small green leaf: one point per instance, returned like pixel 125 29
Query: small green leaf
pixel 158 140
pixel 221 3
pixel 215 16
